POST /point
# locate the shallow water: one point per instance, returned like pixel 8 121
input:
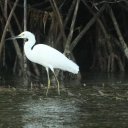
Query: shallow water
pixel 100 104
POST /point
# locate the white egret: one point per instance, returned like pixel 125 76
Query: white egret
pixel 46 56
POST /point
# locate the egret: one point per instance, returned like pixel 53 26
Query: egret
pixel 46 56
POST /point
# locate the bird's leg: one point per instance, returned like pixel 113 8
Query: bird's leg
pixel 58 85
pixel 48 81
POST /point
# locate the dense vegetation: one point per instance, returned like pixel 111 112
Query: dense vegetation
pixel 91 32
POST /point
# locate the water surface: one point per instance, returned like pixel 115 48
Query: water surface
pixel 102 103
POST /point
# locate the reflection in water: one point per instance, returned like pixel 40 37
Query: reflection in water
pixel 50 112
pixel 94 77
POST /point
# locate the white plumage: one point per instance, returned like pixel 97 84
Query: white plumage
pixel 46 56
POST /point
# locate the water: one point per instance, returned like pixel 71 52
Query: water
pixel 100 104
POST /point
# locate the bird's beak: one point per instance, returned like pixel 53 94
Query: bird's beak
pixel 15 37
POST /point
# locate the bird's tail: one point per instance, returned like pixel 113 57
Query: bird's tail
pixel 72 67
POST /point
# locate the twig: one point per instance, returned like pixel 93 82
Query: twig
pixel 25 60
pixel 107 36
pixel 70 11
pixel 6 26
pixel 5 8
pixel 58 16
pixel 18 51
pixel 16 20
pixel 119 32
pixel 86 28
pixel 71 28
pixel 106 1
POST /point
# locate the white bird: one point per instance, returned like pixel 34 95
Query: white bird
pixel 46 56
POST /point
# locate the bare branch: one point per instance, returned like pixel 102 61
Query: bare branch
pixel 119 32
pixel 58 16
pixel 71 28
pixel 6 26
pixel 86 28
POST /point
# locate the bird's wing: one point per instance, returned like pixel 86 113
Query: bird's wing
pixel 50 57
pixel 45 55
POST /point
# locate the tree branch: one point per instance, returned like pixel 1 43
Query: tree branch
pixel 6 26
pixel 86 28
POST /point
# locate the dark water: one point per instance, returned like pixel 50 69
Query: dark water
pixel 102 103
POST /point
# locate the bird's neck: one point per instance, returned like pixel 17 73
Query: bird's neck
pixel 29 43
pixel 28 46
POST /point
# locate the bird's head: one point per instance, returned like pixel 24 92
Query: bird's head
pixel 24 35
